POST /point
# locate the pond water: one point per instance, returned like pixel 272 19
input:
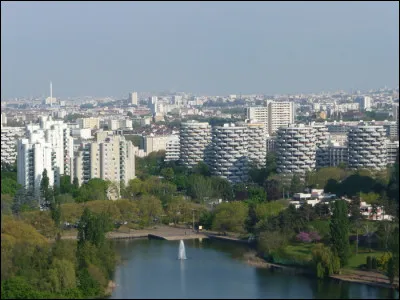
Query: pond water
pixel 216 269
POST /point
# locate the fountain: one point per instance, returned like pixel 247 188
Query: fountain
pixel 182 252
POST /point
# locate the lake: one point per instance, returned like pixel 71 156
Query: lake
pixel 216 269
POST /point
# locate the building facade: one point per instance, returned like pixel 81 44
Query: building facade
pixel 173 150
pixel 296 149
pixel 111 158
pixel 367 149
pixel 230 152
pixel 9 139
pixel 280 114
pixel 195 140
pixel 92 123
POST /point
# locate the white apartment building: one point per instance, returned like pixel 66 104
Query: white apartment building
pixel 133 98
pixel 257 142
pixel 296 149
pixel 321 143
pixel 367 148
pixel 230 152
pixel 258 114
pixel 113 124
pixel 195 139
pixel 9 139
pixel 92 123
pixel 109 158
pixel 3 119
pixel 49 138
pixel 392 149
pixel 85 133
pixel 234 147
pixel 280 114
pixel 152 143
pixel 274 115
pixel 172 151
pixel 34 155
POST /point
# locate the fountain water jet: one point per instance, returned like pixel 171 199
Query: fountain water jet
pixel 182 251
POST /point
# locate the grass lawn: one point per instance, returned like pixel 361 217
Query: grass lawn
pixel 300 251
pixel 361 258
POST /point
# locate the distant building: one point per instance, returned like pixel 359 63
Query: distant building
pixel 92 123
pixel 280 114
pixel 109 158
pixel 364 102
pixel 153 143
pixel 133 98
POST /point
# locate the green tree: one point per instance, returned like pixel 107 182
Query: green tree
pixel 339 229
pixel 296 186
pixel 46 193
pixel 168 173
pixel 393 264
pixel 94 189
pixel 150 209
pixel 230 216
pixel 222 188
pixel 325 261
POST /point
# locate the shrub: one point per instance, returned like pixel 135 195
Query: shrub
pixel 383 261
pixel 369 263
pixel 374 263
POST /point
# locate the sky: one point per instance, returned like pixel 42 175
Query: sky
pixel 205 48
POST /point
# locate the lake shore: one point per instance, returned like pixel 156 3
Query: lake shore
pixel 354 276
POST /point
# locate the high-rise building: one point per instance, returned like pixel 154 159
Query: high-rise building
pixel 9 138
pixel 173 149
pixel 195 139
pixel 110 158
pixel 133 98
pixel 321 142
pixel 34 156
pixel 256 141
pixel 280 114
pixel 364 102
pixel 392 150
pixel 3 119
pixel 337 154
pixel 230 152
pixel 49 146
pixel 296 149
pixel 258 114
pixel 367 147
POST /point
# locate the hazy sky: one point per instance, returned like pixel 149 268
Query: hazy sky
pixel 112 48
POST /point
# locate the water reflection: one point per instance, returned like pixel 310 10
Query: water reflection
pixel 215 269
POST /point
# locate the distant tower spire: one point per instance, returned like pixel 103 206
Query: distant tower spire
pixel 51 94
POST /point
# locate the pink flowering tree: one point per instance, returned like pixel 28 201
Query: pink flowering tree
pixel 314 236
pixel 304 237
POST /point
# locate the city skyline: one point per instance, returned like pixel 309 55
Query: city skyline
pixel 275 48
